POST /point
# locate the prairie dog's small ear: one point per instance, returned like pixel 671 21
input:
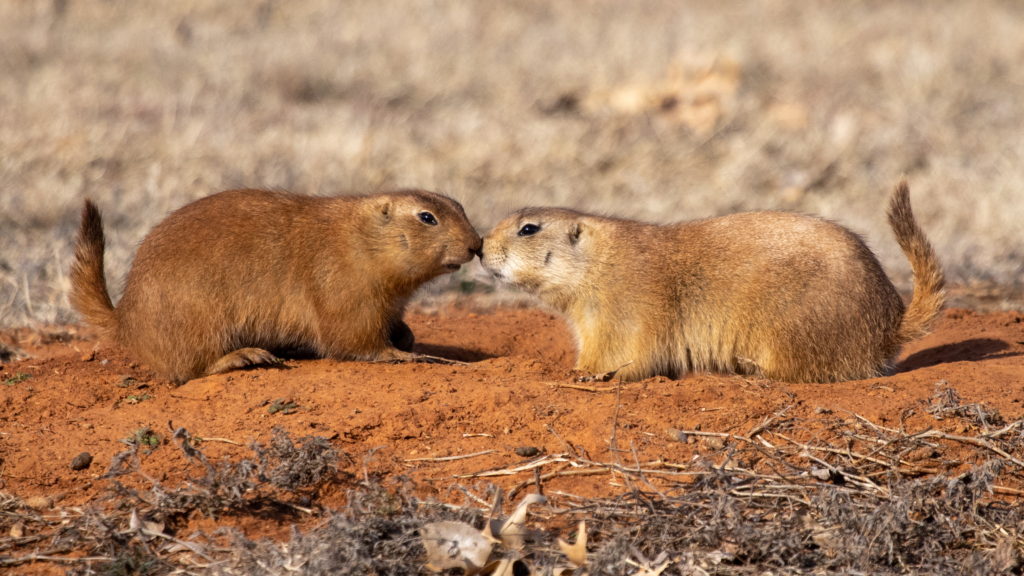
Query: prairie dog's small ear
pixel 574 232
pixel 384 208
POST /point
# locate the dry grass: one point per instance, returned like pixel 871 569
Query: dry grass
pixel 656 109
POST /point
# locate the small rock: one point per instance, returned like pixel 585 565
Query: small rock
pixel 82 461
pixel 677 435
pixel 39 502
pixel 88 356
pixel 18 530
pixel 715 442
pixel 820 473
pixel 527 451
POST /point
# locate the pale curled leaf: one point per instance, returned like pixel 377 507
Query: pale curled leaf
pixel 490 528
pixel 455 545
pixel 513 532
pixel 135 523
pixel 577 553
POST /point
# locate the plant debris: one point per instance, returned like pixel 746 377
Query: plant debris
pixel 851 497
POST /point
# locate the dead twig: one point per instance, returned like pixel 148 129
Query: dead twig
pixel 584 472
pixel 969 440
pixel 450 458
pixel 767 422
pixel 60 559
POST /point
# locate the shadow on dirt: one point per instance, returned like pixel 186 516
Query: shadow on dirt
pixel 449 352
pixel 972 350
pixel 452 352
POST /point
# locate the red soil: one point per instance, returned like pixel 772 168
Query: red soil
pixel 509 390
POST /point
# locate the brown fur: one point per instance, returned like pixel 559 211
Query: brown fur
pixel 792 297
pixel 226 278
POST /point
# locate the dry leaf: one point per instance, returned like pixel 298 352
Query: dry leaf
pixel 490 528
pixel 513 532
pixel 718 556
pixel 175 547
pixel 577 553
pixel 134 523
pixel 503 567
pixel 648 571
pixel 455 545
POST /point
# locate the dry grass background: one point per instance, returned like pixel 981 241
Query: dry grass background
pixel 654 109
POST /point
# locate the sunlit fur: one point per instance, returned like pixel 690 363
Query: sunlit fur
pixel 787 296
pixel 226 277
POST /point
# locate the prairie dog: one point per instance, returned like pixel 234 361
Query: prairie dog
pixel 224 280
pixel 795 298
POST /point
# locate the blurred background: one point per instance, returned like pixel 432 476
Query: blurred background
pixel 658 110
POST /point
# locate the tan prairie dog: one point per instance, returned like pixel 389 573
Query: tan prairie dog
pixel 226 279
pixel 795 298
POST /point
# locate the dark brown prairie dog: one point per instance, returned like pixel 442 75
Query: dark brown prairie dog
pixel 797 298
pixel 225 279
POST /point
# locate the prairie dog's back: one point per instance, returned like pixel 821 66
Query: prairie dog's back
pixel 789 296
pixel 224 280
pixel 228 248
pixel 786 289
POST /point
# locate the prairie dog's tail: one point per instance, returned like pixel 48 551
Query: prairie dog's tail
pixel 88 286
pixel 929 297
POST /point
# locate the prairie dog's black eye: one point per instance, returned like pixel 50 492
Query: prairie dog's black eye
pixel 529 230
pixel 428 218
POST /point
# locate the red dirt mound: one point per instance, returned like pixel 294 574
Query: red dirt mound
pixel 77 395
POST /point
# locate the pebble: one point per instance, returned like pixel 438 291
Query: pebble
pixel 677 435
pixel 82 461
pixel 715 442
pixel 18 530
pixel 527 451
pixel 89 356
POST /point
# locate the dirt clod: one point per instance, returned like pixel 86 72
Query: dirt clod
pixel 714 442
pixel 39 502
pixel 677 435
pixel 82 461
